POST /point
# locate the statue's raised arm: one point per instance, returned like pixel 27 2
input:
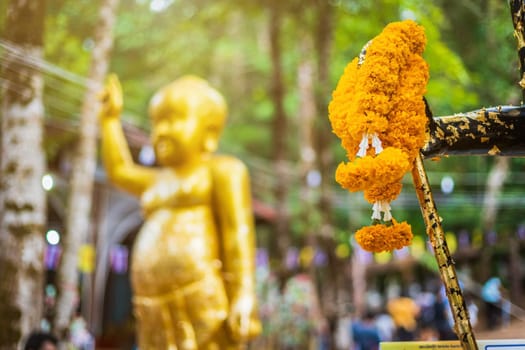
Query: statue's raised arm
pixel 119 165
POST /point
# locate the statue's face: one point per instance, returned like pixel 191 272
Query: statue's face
pixel 177 133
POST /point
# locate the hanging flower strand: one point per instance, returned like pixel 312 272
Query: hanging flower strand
pixel 378 112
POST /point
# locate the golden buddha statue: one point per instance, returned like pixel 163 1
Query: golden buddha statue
pixel 192 265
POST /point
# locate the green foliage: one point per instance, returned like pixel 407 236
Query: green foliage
pixel 226 42
pixel 68 34
pixel 487 47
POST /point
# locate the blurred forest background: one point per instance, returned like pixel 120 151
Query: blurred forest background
pixel 277 62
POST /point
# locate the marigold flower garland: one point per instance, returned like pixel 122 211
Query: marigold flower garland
pixel 378 112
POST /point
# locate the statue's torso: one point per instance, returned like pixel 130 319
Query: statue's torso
pixel 177 245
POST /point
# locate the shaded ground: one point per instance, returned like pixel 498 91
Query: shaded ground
pixel 515 330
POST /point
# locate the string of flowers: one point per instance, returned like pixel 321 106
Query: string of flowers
pixel 378 112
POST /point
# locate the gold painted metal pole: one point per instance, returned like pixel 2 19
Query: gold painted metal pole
pixel 462 325
pixel 517 11
pixel 493 131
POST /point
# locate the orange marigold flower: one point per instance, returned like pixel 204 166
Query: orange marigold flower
pixel 379 238
pixel 383 192
pixel 378 112
pixel 371 238
pixel 390 165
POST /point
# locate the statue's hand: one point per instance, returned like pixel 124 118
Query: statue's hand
pixel 243 321
pixel 111 99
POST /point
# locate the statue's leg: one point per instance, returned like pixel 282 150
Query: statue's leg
pixel 163 323
pixel 206 307
pixel 184 333
pixel 153 325
pixel 222 341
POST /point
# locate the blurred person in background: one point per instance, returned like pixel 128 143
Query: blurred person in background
pixel 491 293
pixel 365 333
pixel 385 325
pixel 41 341
pixel 404 312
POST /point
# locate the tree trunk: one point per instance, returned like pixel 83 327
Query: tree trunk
pixel 495 182
pixel 279 131
pixel 22 165
pixel 84 165
pixel 337 291
pixel 515 271
pixel 325 136
pixel 307 111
